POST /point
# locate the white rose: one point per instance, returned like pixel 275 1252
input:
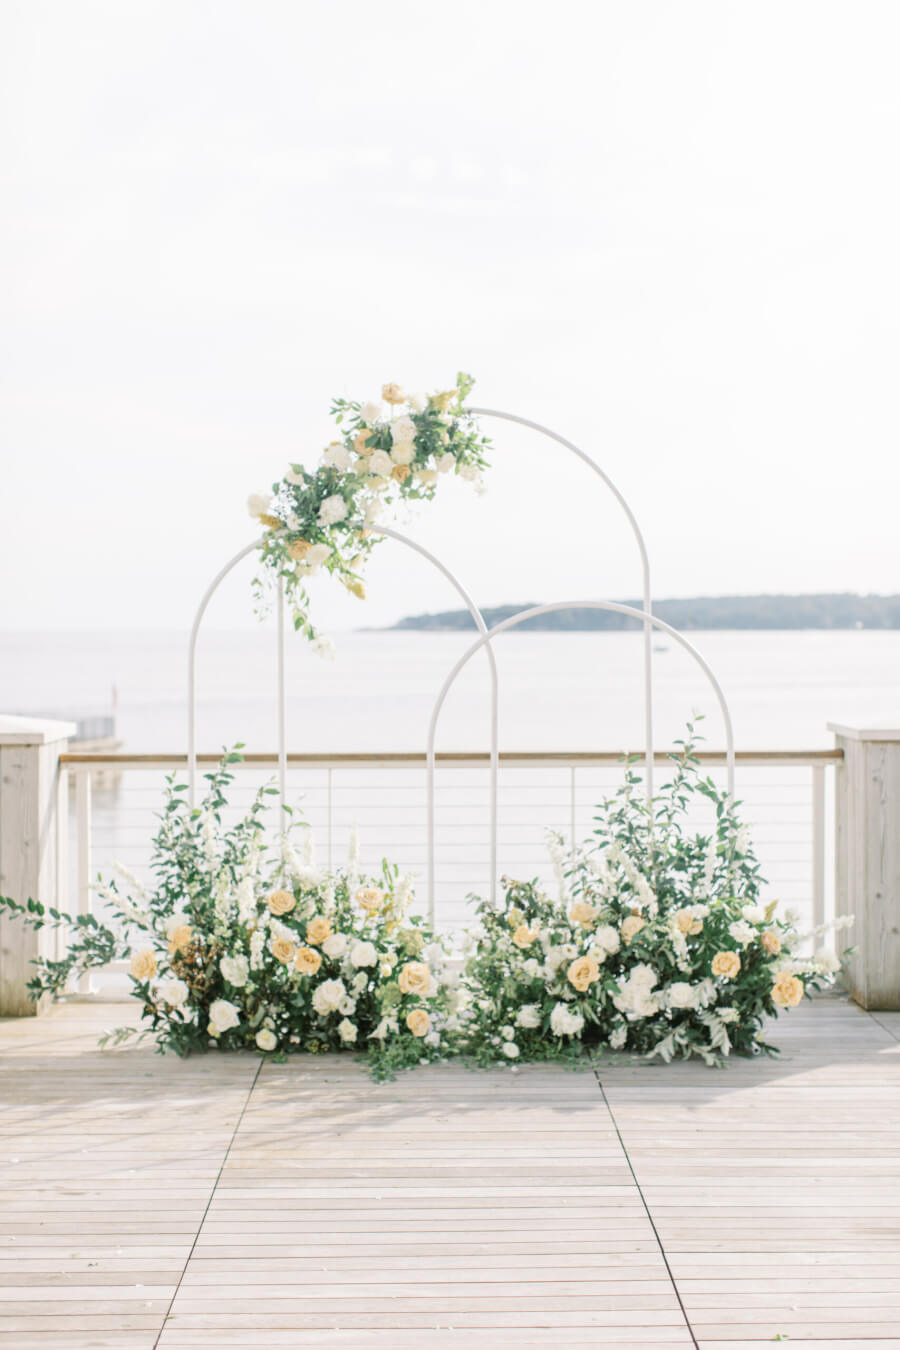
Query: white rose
pixel 446 462
pixel 347 1031
pixel 258 504
pixel 404 453
pixel 469 472
pixel 403 429
pixel 754 913
pixel 385 968
pixel 532 968
pixel 347 1006
pixel 266 1039
pixel 317 554
pixel 417 402
pixel 359 982
pixel 825 962
pixel 618 1038
pixel 222 1016
pixel 742 932
pixel 173 992
pixel 332 510
pixel 511 1050
pixel 371 412
pixel 235 970
pixel 336 456
pixel 528 1016
pixel 508 1033
pixel 681 995
pixel 363 954
pixel 335 946
pixel 328 996
pixel 380 464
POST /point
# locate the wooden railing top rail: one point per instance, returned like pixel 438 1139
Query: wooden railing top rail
pixel 548 758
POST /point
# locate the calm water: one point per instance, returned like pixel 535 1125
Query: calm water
pixel 559 690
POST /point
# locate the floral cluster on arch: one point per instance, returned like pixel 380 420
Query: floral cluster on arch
pixel 397 448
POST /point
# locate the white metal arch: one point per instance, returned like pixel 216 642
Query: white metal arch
pixel 513 622
pixel 220 576
pixel 645 568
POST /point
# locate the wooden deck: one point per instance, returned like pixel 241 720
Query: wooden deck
pixel 148 1202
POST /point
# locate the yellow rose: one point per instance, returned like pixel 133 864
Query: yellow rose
pixel 582 912
pixel 318 929
pixel 524 936
pixel 727 964
pixel 299 549
pixel 631 927
pixel 361 442
pixel 307 961
pixel 392 393
pixel 180 938
pixel 415 978
pixel 400 472
pixel 143 964
pixel 771 942
pixel 283 949
pixel 369 898
pixel 419 1022
pixel 787 991
pixel 515 917
pixel 583 972
pixel 281 902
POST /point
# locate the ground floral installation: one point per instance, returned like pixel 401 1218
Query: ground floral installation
pixel 236 948
pixel 395 448
pixel 657 944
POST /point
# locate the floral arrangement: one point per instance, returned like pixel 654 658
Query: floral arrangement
pixel 394 448
pixel 658 943
pixel 234 948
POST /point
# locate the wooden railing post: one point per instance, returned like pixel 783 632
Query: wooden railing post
pixel 867 862
pixel 29 806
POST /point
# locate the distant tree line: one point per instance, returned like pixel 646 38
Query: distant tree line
pixel 717 611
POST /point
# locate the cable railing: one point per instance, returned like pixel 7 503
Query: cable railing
pixel 113 800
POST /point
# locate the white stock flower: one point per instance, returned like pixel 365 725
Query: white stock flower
pixel 235 969
pixel 635 998
pixel 173 992
pixel 347 1031
pixel 246 900
pixel 324 646
pixel 266 1039
pixel 528 1016
pixel 532 968
pixel 388 1026
pixel 618 1038
pixel 754 913
pixel 469 472
pixel 336 456
pixel 359 982
pixel 328 997
pixel 222 1016
pixel 371 412
pixel 380 464
pixel 363 954
pixel 564 1022
pixel 333 509
pixel 258 504
pixel 825 962
pixel 335 946
pixel 257 946
pixel 557 956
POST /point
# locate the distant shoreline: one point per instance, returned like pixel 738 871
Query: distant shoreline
pixel 735 612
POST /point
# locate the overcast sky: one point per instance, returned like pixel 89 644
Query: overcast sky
pixel 668 230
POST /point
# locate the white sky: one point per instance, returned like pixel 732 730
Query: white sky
pixel 669 230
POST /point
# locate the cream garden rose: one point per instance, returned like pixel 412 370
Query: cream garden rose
pixel 524 936
pixel 280 902
pixel 787 991
pixel 282 949
pixel 143 964
pixel 416 978
pixel 266 1039
pixel 369 898
pixel 318 929
pixel 582 973
pixel 631 926
pixel 307 960
pixel 222 1017
pixel 726 964
pixel 418 1022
